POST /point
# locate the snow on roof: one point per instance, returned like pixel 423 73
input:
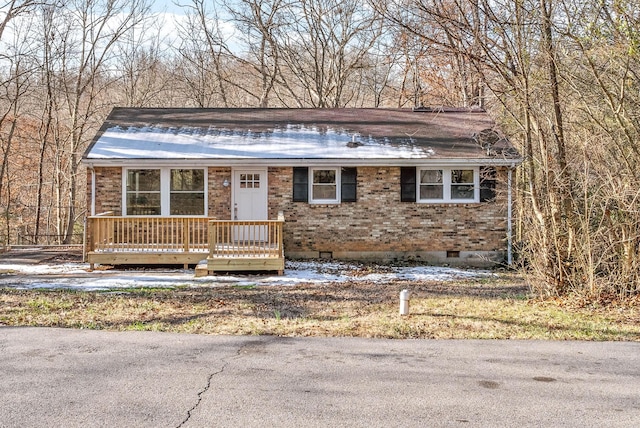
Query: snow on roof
pixel 257 134
pixel 291 142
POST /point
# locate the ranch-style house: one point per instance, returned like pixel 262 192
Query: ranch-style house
pixel 245 188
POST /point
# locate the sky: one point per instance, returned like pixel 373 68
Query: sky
pixel 167 6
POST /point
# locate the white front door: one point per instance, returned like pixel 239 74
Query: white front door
pixel 250 194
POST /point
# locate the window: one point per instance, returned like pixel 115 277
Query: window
pixel 143 192
pixel 462 184
pixel 448 185
pixel 325 185
pixel 165 191
pixel 431 184
pixel 249 181
pixel 187 192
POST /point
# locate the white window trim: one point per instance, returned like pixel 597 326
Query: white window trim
pixel 338 185
pixel 446 183
pixel 165 190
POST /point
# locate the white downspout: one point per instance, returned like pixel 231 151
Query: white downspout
pixel 92 213
pixel 93 191
pixel 509 219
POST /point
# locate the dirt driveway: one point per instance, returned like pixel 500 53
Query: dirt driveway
pixel 38 255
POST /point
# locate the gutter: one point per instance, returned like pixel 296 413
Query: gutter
pixel 280 162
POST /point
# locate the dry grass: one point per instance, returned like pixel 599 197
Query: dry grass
pixel 496 309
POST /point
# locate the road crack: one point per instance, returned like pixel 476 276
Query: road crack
pixel 202 392
pixel 250 345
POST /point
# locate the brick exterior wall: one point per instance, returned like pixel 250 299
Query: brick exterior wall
pixel 219 195
pixel 377 226
pixel 108 190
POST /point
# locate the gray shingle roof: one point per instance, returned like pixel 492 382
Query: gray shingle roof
pixel 289 134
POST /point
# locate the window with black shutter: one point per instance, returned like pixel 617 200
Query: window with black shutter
pixel 487 184
pixel 349 184
pixel 408 184
pixel 300 184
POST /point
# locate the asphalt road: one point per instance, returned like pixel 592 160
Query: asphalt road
pixel 77 378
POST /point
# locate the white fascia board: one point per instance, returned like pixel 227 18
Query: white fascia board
pixel 297 162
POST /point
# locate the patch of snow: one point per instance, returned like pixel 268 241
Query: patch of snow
pixel 290 142
pixel 77 276
pixel 44 269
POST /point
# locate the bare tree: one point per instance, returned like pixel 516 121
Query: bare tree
pixel 543 61
pixel 374 82
pixel 48 109
pixel 323 48
pixel 203 56
pixel 601 71
pixel 12 9
pixel 85 35
pixel 258 22
pixel 142 66
pixel 17 55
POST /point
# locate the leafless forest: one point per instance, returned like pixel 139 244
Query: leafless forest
pixel 560 76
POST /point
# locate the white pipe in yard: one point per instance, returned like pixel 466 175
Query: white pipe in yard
pixel 404 302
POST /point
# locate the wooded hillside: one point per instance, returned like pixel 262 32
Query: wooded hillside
pixel 561 77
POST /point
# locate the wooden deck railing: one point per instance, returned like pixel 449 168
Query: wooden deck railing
pixel 226 245
pixel 139 234
pixel 246 239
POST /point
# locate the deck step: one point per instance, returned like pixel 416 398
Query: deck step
pixel 245 264
pixel 202 269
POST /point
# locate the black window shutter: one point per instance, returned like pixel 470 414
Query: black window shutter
pixel 349 184
pixel 407 184
pixel 301 184
pixel 487 184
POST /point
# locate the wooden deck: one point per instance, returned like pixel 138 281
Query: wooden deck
pixel 246 245
pixel 226 245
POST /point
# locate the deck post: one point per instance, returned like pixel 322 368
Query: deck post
pixel 281 235
pixel 84 240
pixel 213 237
pixel 88 235
pixel 89 240
pixel 185 234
